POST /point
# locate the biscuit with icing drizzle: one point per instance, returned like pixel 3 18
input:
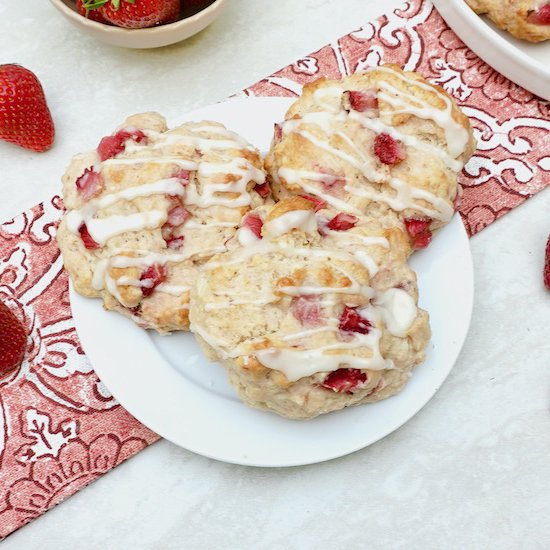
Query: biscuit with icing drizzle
pixel 525 19
pixel 148 207
pixel 378 141
pixel 312 309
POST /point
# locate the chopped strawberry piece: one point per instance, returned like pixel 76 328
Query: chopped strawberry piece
pixel 360 101
pixel 546 273
pixel 183 176
pixel 541 16
pixel 278 132
pixel 110 146
pixel 422 241
pixel 87 239
pixel 177 215
pixel 175 243
pixel 135 134
pixel 319 203
pixel 89 184
pixel 152 277
pixel 342 222
pixel 419 231
pixel 254 223
pixel 345 380
pixel 351 321
pixel 263 189
pixel 307 310
pixel 389 150
pixel 417 226
pixel 332 183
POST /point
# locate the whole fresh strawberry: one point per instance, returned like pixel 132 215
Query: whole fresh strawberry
pixel 24 115
pixel 135 14
pixel 93 15
pixel 13 341
pixel 546 272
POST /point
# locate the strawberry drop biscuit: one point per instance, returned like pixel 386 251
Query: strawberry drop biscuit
pixel 148 207
pixel 383 140
pixel 525 19
pixel 312 309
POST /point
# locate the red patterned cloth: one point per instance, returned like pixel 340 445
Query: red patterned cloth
pixel 59 426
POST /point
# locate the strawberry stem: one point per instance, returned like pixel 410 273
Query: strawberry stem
pixel 94 4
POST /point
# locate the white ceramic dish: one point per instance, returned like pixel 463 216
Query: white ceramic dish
pixel 524 63
pixel 155 37
pixel 167 384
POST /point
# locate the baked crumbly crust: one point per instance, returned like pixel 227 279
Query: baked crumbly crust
pixel 514 16
pixel 315 315
pixel 378 141
pixel 159 208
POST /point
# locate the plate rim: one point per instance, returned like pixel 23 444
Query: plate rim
pixel 234 457
pixel 494 49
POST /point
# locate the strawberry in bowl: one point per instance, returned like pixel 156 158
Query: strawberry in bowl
pixel 140 23
pixel 131 14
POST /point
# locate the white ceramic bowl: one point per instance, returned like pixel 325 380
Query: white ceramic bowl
pixel 155 37
pixel 524 63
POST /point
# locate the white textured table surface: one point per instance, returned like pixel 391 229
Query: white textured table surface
pixel 471 470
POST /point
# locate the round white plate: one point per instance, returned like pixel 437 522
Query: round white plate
pixel 167 383
pixel 524 63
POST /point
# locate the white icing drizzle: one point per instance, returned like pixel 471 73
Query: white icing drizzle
pixel 299 363
pixel 102 280
pixel 246 236
pixel 367 261
pixel 173 290
pixel 203 143
pixel 367 241
pixel 182 163
pixel 333 93
pixel 129 281
pixel 102 229
pixel 242 170
pixel 333 327
pixel 402 188
pixel 456 135
pixel 347 238
pixel 376 125
pixel 396 308
pixel 403 199
pixel 299 177
pixel 304 220
pixel 325 120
